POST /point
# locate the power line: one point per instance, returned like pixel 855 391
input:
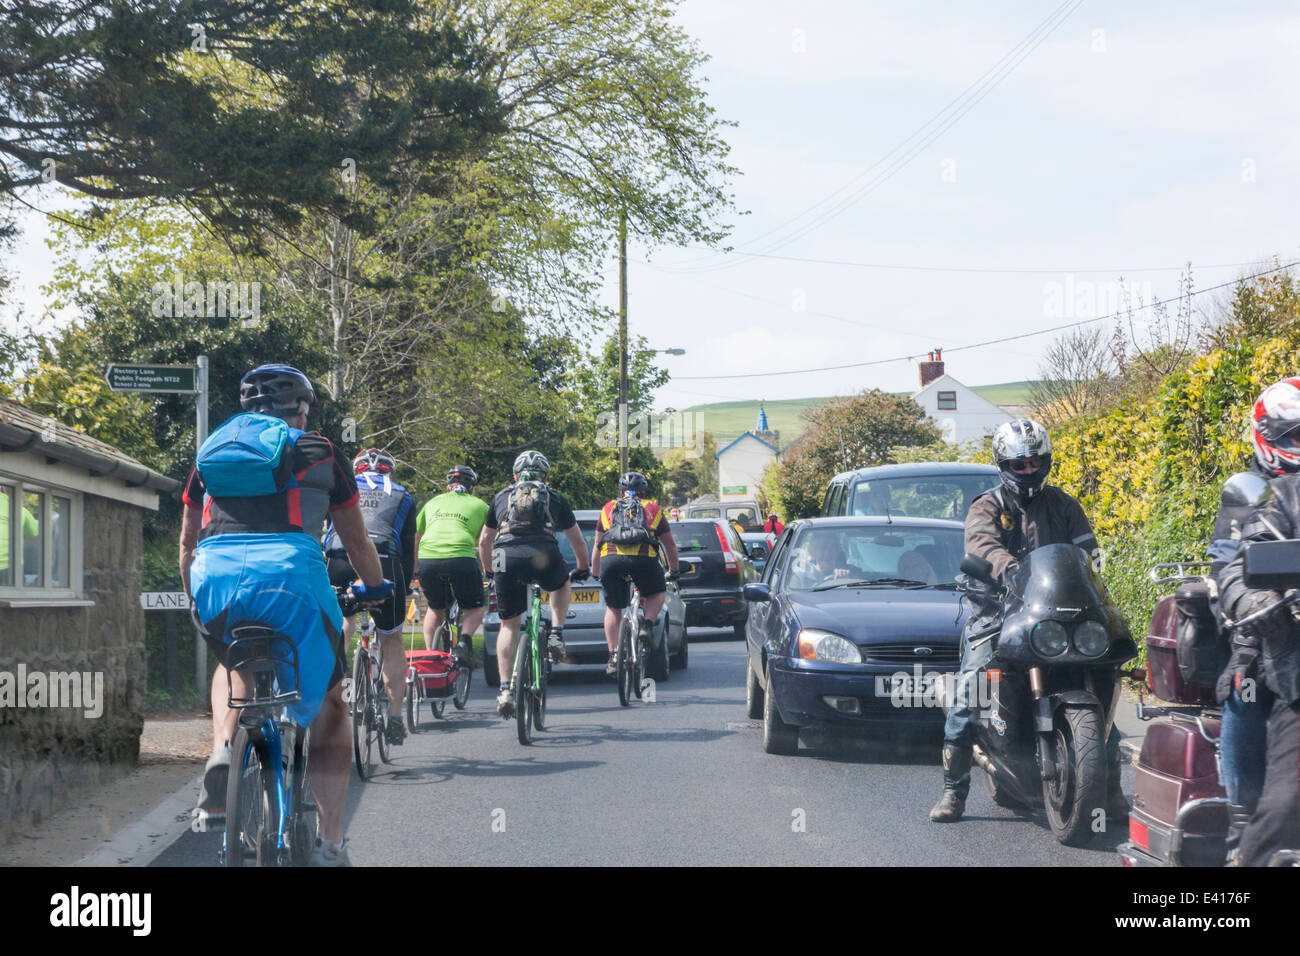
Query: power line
pixel 974 93
pixel 1007 338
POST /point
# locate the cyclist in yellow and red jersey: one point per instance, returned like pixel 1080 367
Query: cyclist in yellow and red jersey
pixel 629 535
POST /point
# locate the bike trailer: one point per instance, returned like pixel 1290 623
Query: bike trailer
pixel 432 670
pixel 1180 813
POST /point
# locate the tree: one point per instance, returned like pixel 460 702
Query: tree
pixel 1077 376
pixel 247 113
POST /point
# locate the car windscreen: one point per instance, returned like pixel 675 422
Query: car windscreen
pixel 588 529
pixel 920 496
pixel 695 536
pixel 822 557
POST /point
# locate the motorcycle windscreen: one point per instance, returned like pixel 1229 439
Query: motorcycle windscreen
pixel 1060 576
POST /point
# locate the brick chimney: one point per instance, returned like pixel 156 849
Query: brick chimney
pixel 933 368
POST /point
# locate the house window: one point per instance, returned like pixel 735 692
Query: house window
pixel 947 401
pixel 40 540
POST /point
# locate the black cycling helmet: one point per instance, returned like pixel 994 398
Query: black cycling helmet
pixel 1021 440
pixel 634 482
pixel 462 475
pixel 276 390
pixel 533 464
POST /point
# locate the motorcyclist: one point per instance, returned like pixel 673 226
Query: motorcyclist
pixel 1275 824
pixel 1246 701
pixel 1003 525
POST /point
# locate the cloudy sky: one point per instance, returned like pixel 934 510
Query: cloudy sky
pixel 997 171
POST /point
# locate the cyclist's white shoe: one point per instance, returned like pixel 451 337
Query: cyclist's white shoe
pixel 326 853
pixel 611 666
pixel 506 702
pixel 556 646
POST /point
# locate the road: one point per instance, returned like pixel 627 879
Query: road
pixel 680 781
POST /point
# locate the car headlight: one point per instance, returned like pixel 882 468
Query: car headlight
pixel 817 645
pixel 1091 639
pixel 1049 638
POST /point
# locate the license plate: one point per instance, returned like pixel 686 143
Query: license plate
pixel 909 685
pixel 580 596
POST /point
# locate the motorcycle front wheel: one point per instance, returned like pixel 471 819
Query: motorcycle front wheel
pixel 1075 794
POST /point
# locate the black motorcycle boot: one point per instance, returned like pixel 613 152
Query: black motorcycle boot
pixel 1238 817
pixel 956 784
pixel 1116 803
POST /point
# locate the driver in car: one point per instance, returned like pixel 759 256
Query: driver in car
pixel 823 562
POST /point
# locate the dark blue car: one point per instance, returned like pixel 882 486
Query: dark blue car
pixel 856 623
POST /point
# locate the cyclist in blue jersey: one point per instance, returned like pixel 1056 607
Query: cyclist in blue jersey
pixel 389 512
pixel 250 552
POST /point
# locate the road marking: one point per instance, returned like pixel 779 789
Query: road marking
pixel 744 725
pixel 140 843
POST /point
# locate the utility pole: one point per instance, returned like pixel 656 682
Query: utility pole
pixel 200 436
pixel 622 342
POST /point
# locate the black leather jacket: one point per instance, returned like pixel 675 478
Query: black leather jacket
pixel 1279 518
pixel 1242 647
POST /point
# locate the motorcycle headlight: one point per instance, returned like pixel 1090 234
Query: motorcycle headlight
pixel 1049 639
pixel 1091 639
pixel 815 645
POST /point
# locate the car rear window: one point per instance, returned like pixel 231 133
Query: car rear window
pixel 920 496
pixel 696 536
pixel 588 529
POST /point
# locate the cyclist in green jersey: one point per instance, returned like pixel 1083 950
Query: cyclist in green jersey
pixel 446 541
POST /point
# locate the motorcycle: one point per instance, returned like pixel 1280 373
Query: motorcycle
pixel 1053 683
pixel 1180 809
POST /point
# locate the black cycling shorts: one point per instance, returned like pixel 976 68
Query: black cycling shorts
pixel 615 570
pixel 515 566
pixel 389 615
pixel 443 578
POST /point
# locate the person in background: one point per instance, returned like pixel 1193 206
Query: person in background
pixel 773 524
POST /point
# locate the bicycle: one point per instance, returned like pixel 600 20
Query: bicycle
pixel 532 670
pixel 266 802
pixel 631 655
pixel 368 706
pixel 457 677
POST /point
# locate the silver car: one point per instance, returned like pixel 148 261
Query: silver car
pixel 584 628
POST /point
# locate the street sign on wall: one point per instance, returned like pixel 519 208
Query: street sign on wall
pixel 164 600
pixel 152 378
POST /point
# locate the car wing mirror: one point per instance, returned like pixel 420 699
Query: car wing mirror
pixel 981 569
pixel 1271 565
pixel 756 592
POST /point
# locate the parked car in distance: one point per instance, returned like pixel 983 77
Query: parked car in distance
pixel 742 511
pixel 584 627
pixel 856 624
pixel 715 567
pixel 933 489
pixel 759 545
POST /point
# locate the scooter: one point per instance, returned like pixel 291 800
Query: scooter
pixel 1053 683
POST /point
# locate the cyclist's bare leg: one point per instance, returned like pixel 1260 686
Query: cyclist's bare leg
pixel 613 618
pixel 224 718
pixel 394 660
pixel 433 619
pixel 329 761
pixel 507 638
pixel 470 622
pixel 559 602
pixel 653 605
pixel 349 628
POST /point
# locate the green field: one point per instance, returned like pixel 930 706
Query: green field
pixel 727 420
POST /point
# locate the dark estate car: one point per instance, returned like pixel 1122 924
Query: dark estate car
pixel 715 567
pixel 584 628
pixel 932 489
pixel 856 623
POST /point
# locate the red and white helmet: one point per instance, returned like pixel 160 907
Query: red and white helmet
pixel 375 460
pixel 1275 428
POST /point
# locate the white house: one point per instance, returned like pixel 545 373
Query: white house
pixel 961 413
pixel 741 464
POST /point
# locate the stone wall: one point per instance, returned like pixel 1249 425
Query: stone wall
pixel 50 757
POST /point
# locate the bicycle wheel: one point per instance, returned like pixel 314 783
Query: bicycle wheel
pixel 413 706
pixel 461 695
pixel 362 717
pixel 543 667
pixel 638 665
pixel 438 706
pixel 250 801
pixel 623 664
pixel 522 685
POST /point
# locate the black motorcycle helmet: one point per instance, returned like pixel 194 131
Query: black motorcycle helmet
pixel 1018 440
pixel 634 482
pixel 462 475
